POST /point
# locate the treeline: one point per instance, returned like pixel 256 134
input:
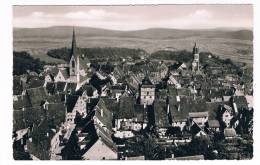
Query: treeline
pixel 181 56
pixel 111 53
pixel 23 61
pixel 61 53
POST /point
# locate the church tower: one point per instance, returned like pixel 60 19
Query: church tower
pixel 74 60
pixel 196 58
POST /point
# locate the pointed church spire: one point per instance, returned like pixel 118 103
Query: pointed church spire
pixel 195 49
pixel 73 44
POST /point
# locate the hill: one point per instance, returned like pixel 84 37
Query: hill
pixel 226 43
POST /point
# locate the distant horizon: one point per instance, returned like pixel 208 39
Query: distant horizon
pixel 196 29
pixel 136 17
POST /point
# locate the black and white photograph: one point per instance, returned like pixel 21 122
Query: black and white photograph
pixel 133 82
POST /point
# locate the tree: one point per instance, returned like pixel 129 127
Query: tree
pixel 23 61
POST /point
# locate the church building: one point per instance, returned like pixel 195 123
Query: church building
pixel 79 65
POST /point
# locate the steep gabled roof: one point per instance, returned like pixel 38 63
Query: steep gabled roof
pixel 180 110
pixel 71 101
pixel 140 113
pixel 56 98
pixel 160 114
pixel 213 109
pixel 53 71
pixel 146 81
pixel 65 73
pixel 36 95
pixel 70 87
pixel 195 128
pixel 126 107
pixel 241 102
pixel 162 94
pixel 56 113
pixel 88 88
pixel 50 87
pixel 106 106
pixel 84 62
pixel 34 115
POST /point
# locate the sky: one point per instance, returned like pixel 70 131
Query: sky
pixel 135 17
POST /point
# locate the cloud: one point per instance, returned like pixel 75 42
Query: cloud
pixel 38 14
pixel 125 20
pixel 94 14
pixel 94 17
pixel 201 14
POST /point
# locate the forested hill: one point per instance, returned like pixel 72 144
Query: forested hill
pixel 152 33
pixel 236 44
pixel 22 61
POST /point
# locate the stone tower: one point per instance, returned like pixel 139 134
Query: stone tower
pixel 147 91
pixel 196 58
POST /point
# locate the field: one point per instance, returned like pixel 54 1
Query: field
pixel 226 43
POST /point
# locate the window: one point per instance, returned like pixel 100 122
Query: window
pixel 73 64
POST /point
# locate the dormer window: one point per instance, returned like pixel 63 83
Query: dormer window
pixel 73 64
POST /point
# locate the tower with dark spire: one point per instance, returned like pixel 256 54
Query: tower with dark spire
pixel 74 59
pixel 195 63
pixel 73 44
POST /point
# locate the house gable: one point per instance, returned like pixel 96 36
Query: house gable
pixel 100 151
